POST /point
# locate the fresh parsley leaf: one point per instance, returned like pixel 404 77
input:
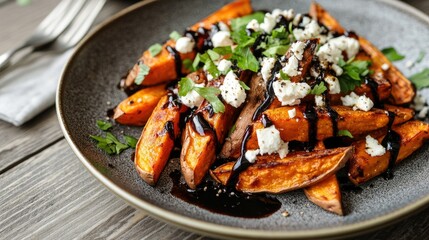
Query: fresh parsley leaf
pixel 276 50
pixel 102 125
pixel 110 144
pixel 223 50
pixel 238 23
pixel 345 133
pixel 392 54
pixel 245 59
pixel 155 49
pixel 143 72
pixel 185 85
pixel 211 67
pixel 211 95
pixel 244 86
pixel 175 35
pixel 187 63
pixel 318 89
pixel 131 141
pixel 421 56
pixel 280 32
pixel 284 75
pixel 353 74
pixel 197 61
pixel 213 55
pixel 421 79
pixel 243 39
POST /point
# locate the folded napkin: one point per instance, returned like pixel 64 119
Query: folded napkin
pixel 28 88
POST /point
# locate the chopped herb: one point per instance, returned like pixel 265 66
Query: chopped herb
pixel 209 65
pixel 243 39
pixel 345 133
pixel 245 59
pixel 276 50
pixel 197 61
pixel 244 86
pixel 110 144
pixel 175 35
pixel 284 75
pixel 102 125
pixel 155 49
pixel 188 64
pixel 392 54
pixel 421 56
pixel 421 79
pixel 209 93
pixel 354 71
pixel 131 141
pixel 238 23
pixel 143 72
pixel 318 89
pixel 232 130
pixel 213 55
pixel 223 50
pixel 185 86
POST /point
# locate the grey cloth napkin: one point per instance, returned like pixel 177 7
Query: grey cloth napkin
pixel 28 88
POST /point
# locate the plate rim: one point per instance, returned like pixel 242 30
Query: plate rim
pixel 218 230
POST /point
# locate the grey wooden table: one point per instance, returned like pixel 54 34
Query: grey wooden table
pixel 46 193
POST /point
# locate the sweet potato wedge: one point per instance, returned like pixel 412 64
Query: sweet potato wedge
pixel 403 91
pixel 136 109
pixel 363 167
pixel 271 174
pixel 163 67
pixel 326 194
pixel 157 140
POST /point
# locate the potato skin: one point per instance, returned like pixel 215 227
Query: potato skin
pixel 136 109
pixel 271 174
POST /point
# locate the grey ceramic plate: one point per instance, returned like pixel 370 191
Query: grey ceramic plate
pixel 89 83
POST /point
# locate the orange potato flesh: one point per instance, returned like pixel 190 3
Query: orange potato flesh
pixel 155 144
pixel 326 194
pixel 297 170
pixel 402 89
pixel 363 167
pixel 136 109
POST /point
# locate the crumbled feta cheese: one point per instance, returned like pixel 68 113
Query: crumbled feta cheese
pixel 297 19
pixel 318 99
pixel 334 84
pixel 288 14
pixel 253 25
pixel 232 92
pixel 385 67
pixel 269 140
pixel 409 64
pixel 290 93
pixel 250 155
pixel 373 148
pixel 267 66
pixel 423 113
pixel 223 27
pixel 291 113
pixel 297 49
pixel 192 98
pixel 224 65
pixel 269 23
pixel 363 102
pixel 283 149
pixel 311 30
pixel 209 77
pixel 337 69
pixel 185 45
pixel 332 51
pixel 291 67
pixel 222 39
pixel 305 21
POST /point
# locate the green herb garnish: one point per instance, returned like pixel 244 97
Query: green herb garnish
pixel 353 74
pixel 421 56
pixel 175 35
pixel 284 75
pixel 131 141
pixel 421 79
pixel 276 50
pixel 110 144
pixel 102 125
pixel 318 89
pixel 187 63
pixel 245 59
pixel 239 23
pixel 155 49
pixel 345 133
pixel 143 72
pixel 209 93
pixel 244 86
pixel 392 54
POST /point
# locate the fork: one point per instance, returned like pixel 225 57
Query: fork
pixel 49 29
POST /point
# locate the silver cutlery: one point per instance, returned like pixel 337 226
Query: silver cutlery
pixel 49 29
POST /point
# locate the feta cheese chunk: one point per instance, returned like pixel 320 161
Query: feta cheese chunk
pixel 291 67
pixel 185 45
pixel 373 148
pixel 290 93
pixel 269 142
pixel 363 102
pixel 332 51
pixel 224 65
pixel 337 69
pixel 297 49
pixel 223 27
pixel 334 84
pixel 283 149
pixel 423 113
pixel 232 92
pixel 250 155
pixel 291 113
pixel 192 98
pixel 253 25
pixel 222 39
pixel 267 66
pixel 318 99
pixel 269 23
pixel 311 29
pixel 385 67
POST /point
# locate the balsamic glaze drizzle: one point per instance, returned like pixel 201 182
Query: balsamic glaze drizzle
pixel 200 125
pixel 242 163
pixel 177 60
pixel 311 115
pixel 392 143
pixel 172 101
pixel 269 94
pixel 169 128
pixel 266 121
pixel 374 87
